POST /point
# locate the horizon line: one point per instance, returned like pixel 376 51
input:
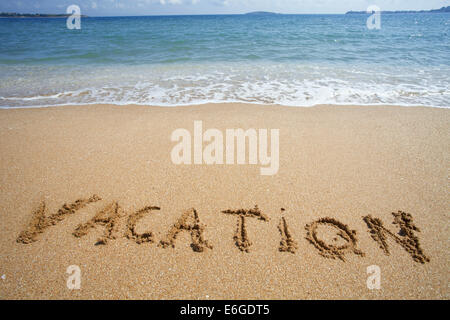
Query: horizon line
pixel 192 14
pixel 256 12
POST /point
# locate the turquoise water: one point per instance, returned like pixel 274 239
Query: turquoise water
pixel 297 60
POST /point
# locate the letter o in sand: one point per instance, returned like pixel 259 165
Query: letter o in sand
pixel 330 250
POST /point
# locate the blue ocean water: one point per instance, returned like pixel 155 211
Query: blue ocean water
pixel 298 60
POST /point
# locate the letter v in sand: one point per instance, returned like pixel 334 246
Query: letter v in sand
pixel 39 222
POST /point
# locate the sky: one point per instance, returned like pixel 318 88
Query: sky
pixel 169 7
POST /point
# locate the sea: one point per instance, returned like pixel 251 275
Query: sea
pixel 291 60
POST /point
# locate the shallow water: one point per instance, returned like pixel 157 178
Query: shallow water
pixel 298 60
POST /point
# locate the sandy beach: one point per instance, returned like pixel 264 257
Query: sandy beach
pixel 343 163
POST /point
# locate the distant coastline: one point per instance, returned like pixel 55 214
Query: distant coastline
pixel 34 15
pixel 441 10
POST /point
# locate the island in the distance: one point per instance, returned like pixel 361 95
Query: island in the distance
pixel 262 13
pixel 441 10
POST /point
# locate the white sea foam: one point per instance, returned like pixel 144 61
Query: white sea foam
pixel 264 83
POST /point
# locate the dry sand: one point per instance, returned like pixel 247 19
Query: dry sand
pixel 343 163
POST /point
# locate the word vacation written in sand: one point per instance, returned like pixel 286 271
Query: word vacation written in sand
pixel 109 218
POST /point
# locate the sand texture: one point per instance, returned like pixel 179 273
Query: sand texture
pixel 94 186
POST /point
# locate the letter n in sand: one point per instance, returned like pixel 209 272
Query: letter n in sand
pixel 407 240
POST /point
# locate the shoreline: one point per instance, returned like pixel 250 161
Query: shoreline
pixel 337 163
pixel 223 103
